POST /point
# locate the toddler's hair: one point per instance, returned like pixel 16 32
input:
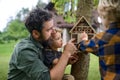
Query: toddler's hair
pixel 58 30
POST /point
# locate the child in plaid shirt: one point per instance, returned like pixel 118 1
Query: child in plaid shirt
pixel 106 45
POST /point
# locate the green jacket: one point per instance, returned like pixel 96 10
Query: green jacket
pixel 27 62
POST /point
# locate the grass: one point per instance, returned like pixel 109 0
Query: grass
pixel 6 50
pixel 94 68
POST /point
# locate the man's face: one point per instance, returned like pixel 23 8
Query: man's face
pixel 47 30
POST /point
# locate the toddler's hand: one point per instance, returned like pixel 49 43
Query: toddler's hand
pixel 84 36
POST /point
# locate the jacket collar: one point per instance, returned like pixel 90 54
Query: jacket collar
pixel 37 43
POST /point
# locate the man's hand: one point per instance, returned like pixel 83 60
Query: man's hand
pixel 70 48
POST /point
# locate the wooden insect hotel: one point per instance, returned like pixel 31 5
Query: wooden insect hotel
pixel 81 26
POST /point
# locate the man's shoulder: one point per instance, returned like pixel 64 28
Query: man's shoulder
pixel 25 44
pixel 27 48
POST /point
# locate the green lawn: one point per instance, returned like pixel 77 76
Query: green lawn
pixel 6 50
pixel 5 53
pixel 94 68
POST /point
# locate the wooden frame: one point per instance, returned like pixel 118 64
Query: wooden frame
pixel 80 26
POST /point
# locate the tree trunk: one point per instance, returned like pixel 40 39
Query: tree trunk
pixel 80 69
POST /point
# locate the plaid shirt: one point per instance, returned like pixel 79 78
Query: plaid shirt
pixel 106 45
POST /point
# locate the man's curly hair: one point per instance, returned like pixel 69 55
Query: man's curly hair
pixel 36 19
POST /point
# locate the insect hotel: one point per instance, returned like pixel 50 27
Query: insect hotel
pixel 81 26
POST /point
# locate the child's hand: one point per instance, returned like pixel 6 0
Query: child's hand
pixel 84 36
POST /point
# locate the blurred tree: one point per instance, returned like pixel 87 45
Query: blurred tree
pixel 40 4
pixel 22 14
pixel 66 8
pixel 80 69
pixel 95 2
pixel 15 28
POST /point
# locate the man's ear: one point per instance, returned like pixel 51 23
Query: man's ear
pixel 36 34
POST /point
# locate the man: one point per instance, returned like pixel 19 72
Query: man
pixel 27 59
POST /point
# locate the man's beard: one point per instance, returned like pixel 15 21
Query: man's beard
pixel 45 43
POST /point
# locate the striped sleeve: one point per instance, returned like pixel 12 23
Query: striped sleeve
pixel 90 45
